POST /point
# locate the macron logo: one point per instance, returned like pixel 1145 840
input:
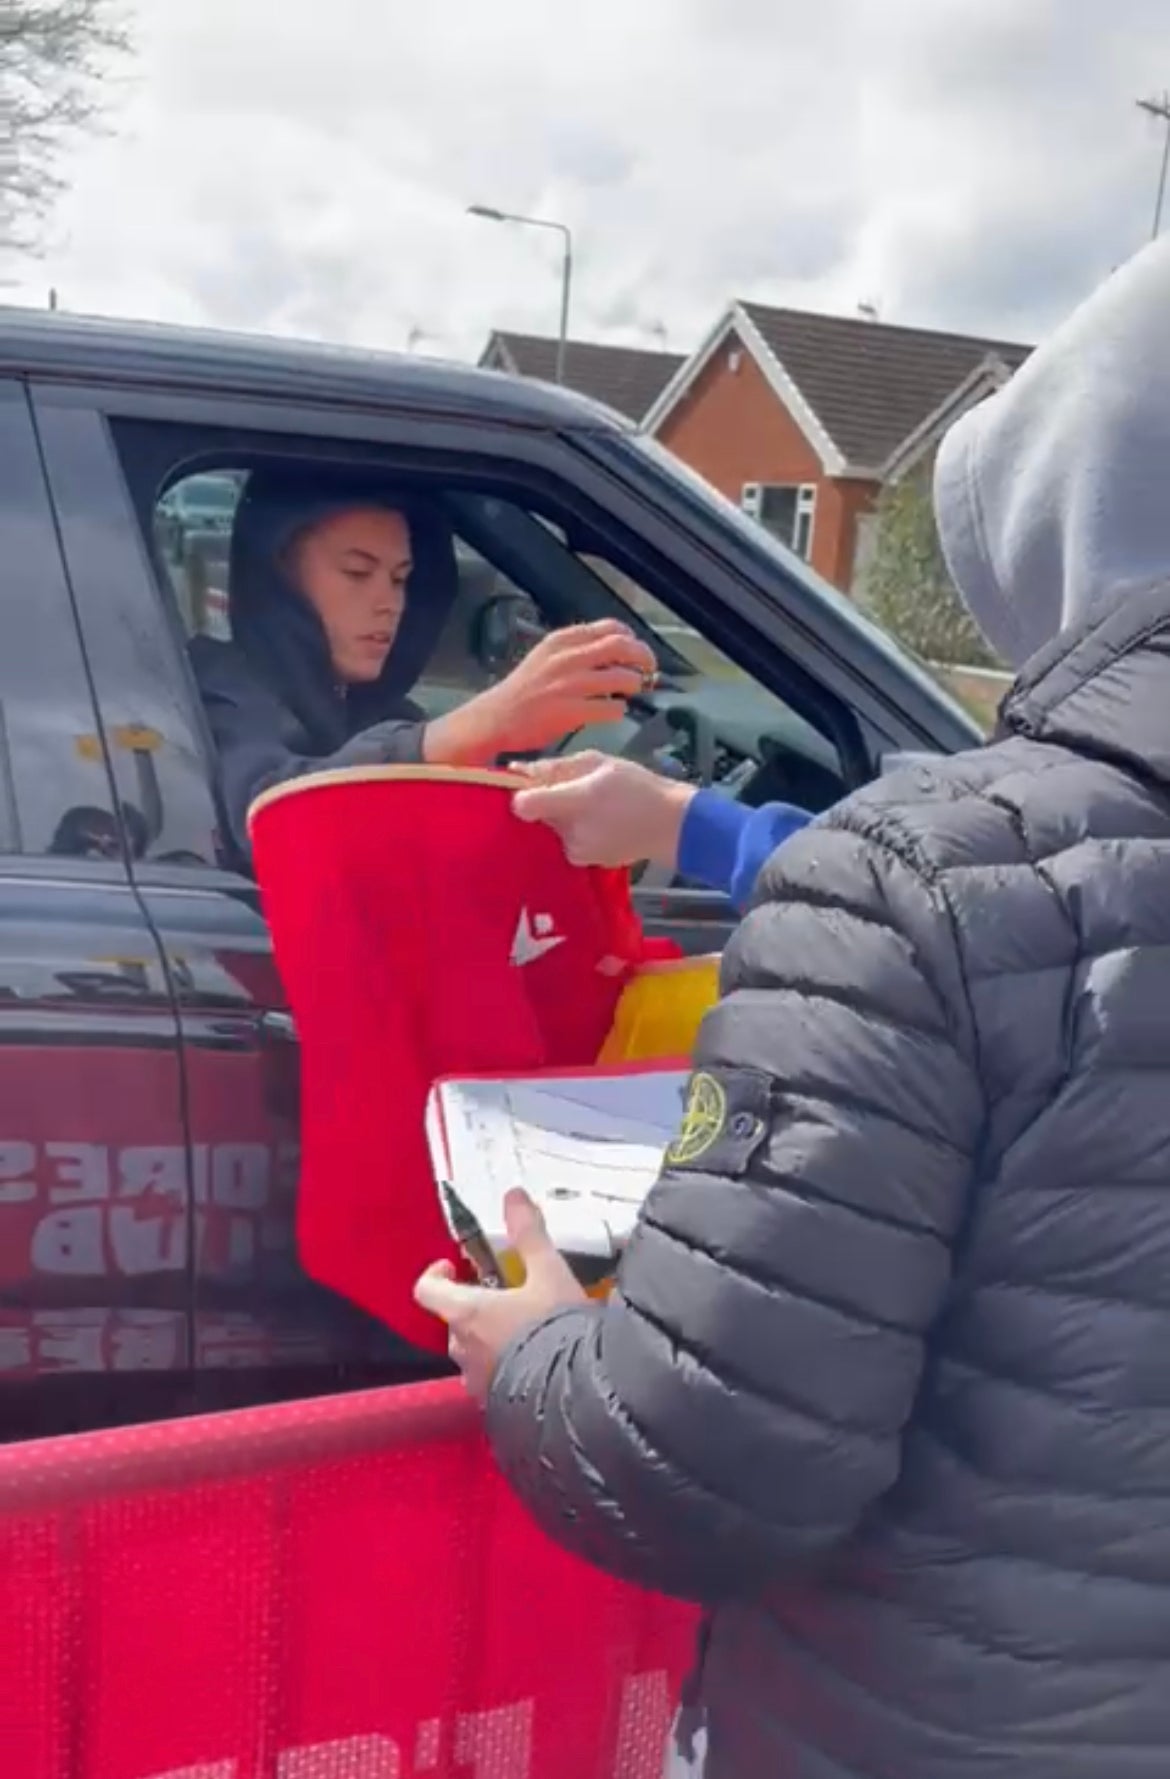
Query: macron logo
pixel 534 937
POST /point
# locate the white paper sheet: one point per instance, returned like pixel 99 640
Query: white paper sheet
pixel 586 1147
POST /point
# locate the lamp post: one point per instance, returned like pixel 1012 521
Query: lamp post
pixel 1159 109
pixel 490 214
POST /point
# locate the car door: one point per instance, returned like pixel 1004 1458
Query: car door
pixel 260 1327
pixel 94 1253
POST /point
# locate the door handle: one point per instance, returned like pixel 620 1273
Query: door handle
pixel 280 1066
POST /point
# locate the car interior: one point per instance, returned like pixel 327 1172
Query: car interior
pixel 523 572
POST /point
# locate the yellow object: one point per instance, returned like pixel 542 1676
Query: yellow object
pixel 512 1268
pixel 657 1019
pixel 137 738
pixel 661 1010
pixel 134 737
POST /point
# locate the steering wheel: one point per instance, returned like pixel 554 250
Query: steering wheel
pixel 662 729
pixel 665 727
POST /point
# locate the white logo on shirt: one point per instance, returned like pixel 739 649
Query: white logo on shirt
pixel 534 937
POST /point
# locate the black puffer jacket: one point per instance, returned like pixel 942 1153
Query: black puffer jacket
pixel 886 1383
pixel 887 1378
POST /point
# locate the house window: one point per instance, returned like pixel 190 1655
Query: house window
pixel 785 509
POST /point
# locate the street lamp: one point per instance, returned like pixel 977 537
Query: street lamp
pixel 1159 109
pixel 489 213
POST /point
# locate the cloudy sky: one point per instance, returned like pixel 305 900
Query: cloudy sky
pixel 305 168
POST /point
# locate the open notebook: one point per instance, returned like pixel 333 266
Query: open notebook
pixel 587 1147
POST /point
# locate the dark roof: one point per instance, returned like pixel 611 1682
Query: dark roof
pixel 55 345
pixel 627 378
pixel 871 385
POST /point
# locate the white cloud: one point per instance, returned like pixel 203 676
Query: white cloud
pixel 306 169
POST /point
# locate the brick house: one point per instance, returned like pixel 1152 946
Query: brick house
pixel 627 378
pixel 802 418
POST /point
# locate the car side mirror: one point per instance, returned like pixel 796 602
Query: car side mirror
pixel 503 630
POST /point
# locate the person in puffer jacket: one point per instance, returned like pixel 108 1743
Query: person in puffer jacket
pixel 885 1381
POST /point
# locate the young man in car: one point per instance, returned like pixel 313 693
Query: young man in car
pixel 884 1381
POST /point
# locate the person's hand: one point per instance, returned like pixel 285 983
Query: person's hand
pixel 571 679
pixel 606 811
pixel 482 1322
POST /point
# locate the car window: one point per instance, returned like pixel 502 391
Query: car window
pixel 464 662
pixel 55 793
pixel 713 720
pixel 733 696
pixel 727 724
pixel 520 574
pixel 153 735
pixel 214 495
pixel 192 532
pixel 705 497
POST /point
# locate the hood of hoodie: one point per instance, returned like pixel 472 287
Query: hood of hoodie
pixel 281 635
pixel 1053 497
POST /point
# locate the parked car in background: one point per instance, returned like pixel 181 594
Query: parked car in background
pixel 201 503
pixel 192 528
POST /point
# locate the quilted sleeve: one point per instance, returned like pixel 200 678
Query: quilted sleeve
pixel 259 744
pixel 741 1400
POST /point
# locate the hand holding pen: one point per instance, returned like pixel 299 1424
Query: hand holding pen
pixel 482 1322
pixel 466 1229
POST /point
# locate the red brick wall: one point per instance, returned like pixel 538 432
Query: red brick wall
pixel 733 428
pixel 843 502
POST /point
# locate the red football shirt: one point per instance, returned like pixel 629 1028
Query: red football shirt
pixel 420 930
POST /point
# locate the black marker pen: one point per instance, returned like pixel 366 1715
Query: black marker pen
pixel 467 1232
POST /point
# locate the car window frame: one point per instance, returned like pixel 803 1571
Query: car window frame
pixel 521 460
pixel 20 448
pixel 786 601
pixel 804 624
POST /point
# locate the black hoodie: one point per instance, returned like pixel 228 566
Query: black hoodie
pixel 272 699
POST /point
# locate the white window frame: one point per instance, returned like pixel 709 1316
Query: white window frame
pixel 754 501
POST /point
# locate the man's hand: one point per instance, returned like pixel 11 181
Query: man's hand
pixel 572 678
pixel 481 1322
pixel 606 811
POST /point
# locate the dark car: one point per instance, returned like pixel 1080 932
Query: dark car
pixel 148 1080
pixel 197 504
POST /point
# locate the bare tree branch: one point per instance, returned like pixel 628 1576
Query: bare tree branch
pixel 54 58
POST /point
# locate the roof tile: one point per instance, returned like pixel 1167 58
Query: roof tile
pixel 869 384
pixel 628 378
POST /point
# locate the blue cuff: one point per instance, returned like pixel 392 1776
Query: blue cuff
pixel 712 831
pixel 724 844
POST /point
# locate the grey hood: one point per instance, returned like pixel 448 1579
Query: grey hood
pixel 1053 497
